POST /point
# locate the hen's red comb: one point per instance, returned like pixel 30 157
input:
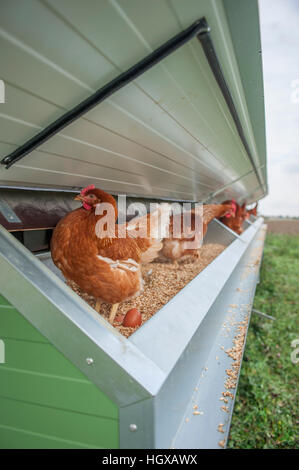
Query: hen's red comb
pixel 84 191
pixel 234 206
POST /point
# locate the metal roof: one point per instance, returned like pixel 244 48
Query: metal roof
pixel 168 134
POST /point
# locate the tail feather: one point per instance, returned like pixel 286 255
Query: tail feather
pixel 152 228
pixel 152 252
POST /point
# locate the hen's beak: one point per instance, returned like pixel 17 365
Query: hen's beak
pixel 79 198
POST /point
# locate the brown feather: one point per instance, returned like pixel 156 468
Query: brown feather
pixel 106 268
pixel 177 247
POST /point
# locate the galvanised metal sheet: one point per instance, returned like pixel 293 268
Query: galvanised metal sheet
pixel 204 389
pixel 167 134
pixel 151 375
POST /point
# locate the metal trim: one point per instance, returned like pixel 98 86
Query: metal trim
pixel 190 332
pixel 139 374
pixel 183 314
pixel 210 53
pixel 229 229
pixel 59 314
pixel 210 361
pixel 56 189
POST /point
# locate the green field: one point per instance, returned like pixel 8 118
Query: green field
pixel 267 398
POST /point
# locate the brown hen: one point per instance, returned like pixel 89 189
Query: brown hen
pixel 235 223
pixel 189 241
pixel 101 263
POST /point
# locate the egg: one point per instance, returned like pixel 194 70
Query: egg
pixel 132 318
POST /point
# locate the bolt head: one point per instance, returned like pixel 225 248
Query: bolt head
pixel 133 427
pixel 89 360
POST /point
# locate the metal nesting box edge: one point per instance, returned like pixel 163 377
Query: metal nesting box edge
pixel 147 367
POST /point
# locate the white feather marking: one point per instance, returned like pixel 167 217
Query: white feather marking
pixel 123 264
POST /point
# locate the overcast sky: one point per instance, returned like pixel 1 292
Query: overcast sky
pixel 280 46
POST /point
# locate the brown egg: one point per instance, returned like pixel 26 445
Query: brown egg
pixel 132 318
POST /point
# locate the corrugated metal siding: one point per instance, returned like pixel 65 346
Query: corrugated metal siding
pixel 168 134
pixel 44 400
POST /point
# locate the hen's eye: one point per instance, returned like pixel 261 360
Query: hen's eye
pixel 92 196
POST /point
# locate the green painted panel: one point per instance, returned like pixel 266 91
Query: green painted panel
pixel 61 424
pixel 45 401
pixel 13 325
pixel 11 438
pixel 3 301
pixel 55 392
pixel 39 357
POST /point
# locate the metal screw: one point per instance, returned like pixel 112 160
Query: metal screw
pixel 133 427
pixel 89 360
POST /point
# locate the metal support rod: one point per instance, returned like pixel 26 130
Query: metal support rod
pixel 199 27
pixel 263 314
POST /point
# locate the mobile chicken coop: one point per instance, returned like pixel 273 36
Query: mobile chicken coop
pixel 161 100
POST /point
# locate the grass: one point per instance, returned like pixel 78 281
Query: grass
pixel 267 399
